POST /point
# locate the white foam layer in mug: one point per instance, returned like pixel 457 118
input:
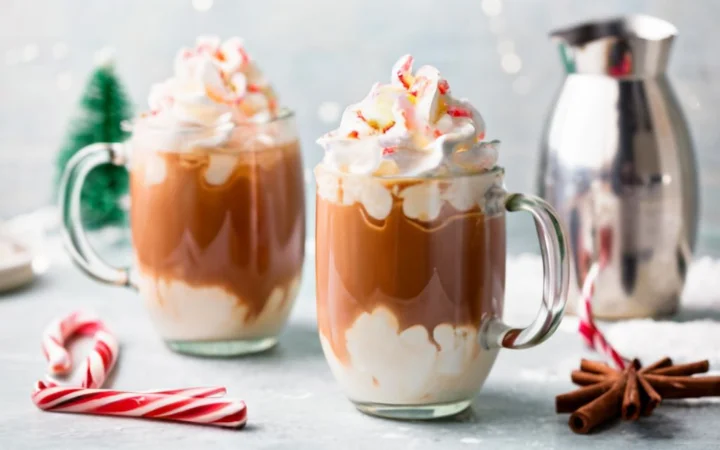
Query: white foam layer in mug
pixel 230 137
pixel 183 312
pixel 421 201
pixel 219 169
pixel 221 162
pixel 390 366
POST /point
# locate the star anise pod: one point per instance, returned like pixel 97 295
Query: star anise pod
pixel 608 393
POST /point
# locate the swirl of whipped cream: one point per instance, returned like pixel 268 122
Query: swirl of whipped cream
pixel 410 127
pixel 215 83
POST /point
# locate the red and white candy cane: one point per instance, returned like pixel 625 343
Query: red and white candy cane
pixel 55 335
pixel 590 332
pixel 199 392
pixel 194 405
pixel 101 360
pixel 98 363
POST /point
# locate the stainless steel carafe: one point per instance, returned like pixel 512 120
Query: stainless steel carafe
pixel 617 163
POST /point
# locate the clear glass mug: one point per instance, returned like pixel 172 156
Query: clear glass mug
pixel 218 227
pixel 411 283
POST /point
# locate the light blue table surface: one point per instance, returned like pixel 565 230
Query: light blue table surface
pixel 293 401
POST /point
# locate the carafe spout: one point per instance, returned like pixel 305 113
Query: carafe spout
pixel 625 47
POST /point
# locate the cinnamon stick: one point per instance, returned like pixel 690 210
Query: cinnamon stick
pixel 649 398
pixel 600 410
pixel 631 399
pixel 596 367
pixel 684 387
pixel 665 362
pixel 684 369
pixel 584 378
pixel 567 403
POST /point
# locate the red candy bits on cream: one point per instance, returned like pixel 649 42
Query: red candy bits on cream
pixel 214 82
pixel 410 127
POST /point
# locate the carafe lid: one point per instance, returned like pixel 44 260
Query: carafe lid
pixel 623 47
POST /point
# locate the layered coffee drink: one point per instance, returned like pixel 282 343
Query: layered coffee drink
pixel 402 291
pixel 218 208
pixel 410 247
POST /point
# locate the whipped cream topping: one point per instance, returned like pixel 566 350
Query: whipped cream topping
pixel 215 83
pixel 410 127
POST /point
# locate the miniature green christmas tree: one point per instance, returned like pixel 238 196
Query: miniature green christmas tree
pixel 103 109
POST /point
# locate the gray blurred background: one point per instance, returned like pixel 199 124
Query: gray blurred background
pixel 324 54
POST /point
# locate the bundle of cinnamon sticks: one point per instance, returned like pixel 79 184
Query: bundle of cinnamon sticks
pixel 608 393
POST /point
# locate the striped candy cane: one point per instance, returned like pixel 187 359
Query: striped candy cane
pixel 182 405
pixel 101 360
pixel 589 331
pixel 199 392
pixel 194 405
pixel 98 363
pixel 55 336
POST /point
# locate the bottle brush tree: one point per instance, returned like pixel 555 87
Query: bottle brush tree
pixel 104 108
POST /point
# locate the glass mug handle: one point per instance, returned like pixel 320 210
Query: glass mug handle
pixel 74 237
pixel 556 268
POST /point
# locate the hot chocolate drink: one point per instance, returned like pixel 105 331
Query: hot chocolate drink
pixel 406 273
pixel 218 207
pixel 219 235
pixel 410 246
pixel 217 204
